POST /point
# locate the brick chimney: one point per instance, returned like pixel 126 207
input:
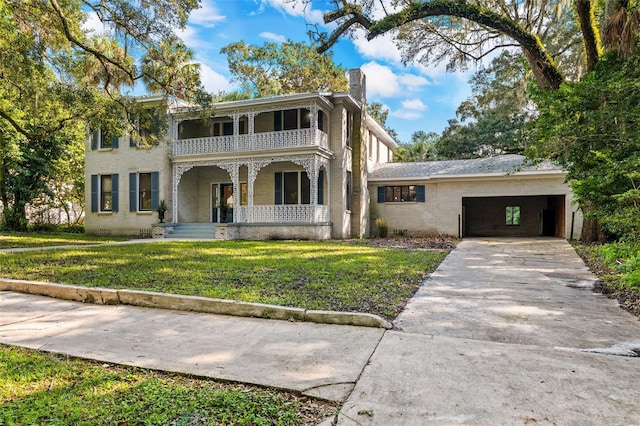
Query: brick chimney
pixel 358 85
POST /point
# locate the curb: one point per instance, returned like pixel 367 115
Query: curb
pixel 149 299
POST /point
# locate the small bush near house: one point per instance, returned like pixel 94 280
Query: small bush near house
pixel 383 227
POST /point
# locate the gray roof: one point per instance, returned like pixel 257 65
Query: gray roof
pixel 499 165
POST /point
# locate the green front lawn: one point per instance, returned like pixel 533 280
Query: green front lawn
pixel 35 239
pixel 39 388
pixel 329 275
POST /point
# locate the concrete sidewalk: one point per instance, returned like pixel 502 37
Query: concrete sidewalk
pixel 504 332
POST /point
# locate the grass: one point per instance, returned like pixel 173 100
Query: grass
pixel 618 266
pixel 41 388
pixel 327 275
pixel 32 239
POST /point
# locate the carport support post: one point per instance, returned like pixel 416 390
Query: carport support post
pixel 573 219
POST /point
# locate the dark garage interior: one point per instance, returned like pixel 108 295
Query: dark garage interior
pixel 516 216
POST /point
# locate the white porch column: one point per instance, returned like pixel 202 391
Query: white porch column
pixel 178 171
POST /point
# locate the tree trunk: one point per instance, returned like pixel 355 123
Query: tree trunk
pixel 587 20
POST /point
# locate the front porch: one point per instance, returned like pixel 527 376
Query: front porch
pixel 255 198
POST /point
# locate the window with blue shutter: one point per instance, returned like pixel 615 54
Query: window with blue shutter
pixel 155 190
pixel 114 141
pixel 381 193
pixel 133 192
pixel 278 188
pixel 94 193
pixel 95 139
pixel 114 192
pixel 420 196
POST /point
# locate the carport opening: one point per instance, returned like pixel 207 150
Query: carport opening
pixel 515 216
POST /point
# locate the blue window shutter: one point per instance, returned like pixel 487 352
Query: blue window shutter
pixel 420 193
pixel 381 194
pixel 277 121
pixel 114 193
pixel 321 187
pixel 155 190
pixel 133 192
pixel 95 139
pixel 320 119
pixel 114 141
pixel 278 188
pixel 94 193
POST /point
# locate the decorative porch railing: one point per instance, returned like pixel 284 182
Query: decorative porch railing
pixel 282 214
pixel 256 142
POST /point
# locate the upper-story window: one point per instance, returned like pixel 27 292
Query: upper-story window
pixel 100 139
pixel 291 119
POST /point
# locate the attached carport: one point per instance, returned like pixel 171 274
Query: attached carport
pixel 514 216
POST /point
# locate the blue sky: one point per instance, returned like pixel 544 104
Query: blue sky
pixel 418 97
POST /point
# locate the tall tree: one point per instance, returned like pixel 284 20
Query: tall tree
pixel 464 30
pixel 493 119
pixel 278 69
pixel 591 127
pixel 421 148
pixel 55 78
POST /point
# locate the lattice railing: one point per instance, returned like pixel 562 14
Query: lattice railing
pixel 255 142
pixel 282 214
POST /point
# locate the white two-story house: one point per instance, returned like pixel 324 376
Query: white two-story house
pixel 291 166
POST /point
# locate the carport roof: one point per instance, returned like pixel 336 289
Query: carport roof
pixel 492 166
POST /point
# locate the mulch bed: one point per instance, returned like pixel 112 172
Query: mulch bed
pixel 439 242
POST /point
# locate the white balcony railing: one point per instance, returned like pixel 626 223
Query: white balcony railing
pixel 282 214
pixel 256 142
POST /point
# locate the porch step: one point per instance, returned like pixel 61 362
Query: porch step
pixel 198 231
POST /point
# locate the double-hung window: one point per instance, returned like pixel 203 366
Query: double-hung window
pixel 144 191
pixel 104 193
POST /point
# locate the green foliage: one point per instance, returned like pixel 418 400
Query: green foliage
pixel 43 235
pixel 56 78
pixel 623 259
pixel 421 148
pixel 40 388
pixel 283 68
pixel 383 227
pixel 493 120
pixel 313 275
pixel 591 127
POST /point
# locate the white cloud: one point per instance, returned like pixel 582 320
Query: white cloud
pixel 94 25
pixel 213 81
pixel 273 37
pixel 410 109
pixel 413 104
pixel 381 81
pixel 412 81
pixel 381 48
pixel 296 9
pixel 208 15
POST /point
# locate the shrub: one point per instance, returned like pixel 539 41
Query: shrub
pixel 383 228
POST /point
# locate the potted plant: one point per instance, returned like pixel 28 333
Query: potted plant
pixel 162 207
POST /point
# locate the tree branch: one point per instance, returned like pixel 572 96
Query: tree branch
pixel 545 71
pixel 75 41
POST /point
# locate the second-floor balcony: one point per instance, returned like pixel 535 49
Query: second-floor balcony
pixel 266 141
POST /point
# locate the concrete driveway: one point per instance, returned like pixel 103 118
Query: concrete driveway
pixel 506 331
